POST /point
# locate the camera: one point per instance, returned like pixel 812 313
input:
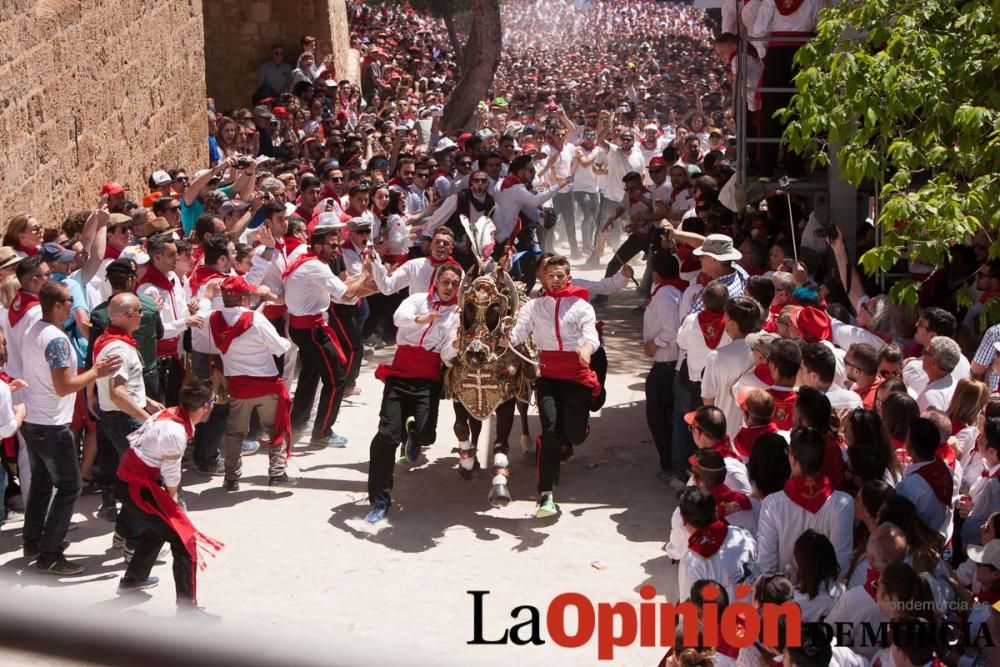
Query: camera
pixel 267 196
pixel 242 162
pixel 828 231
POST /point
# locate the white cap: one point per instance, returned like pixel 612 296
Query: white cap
pixel 987 555
pixel 651 128
pixel 161 177
pixel 135 253
pixel 330 219
pixel 290 208
pixel 445 144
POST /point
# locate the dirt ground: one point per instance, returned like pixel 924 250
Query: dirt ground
pixel 300 571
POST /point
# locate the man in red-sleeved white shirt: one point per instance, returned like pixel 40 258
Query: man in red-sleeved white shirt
pixel 248 344
pixel 309 285
pixel 426 324
pixel 562 324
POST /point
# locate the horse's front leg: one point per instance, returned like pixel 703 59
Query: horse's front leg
pixel 499 494
pixel 467 431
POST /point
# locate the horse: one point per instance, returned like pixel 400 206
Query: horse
pixel 486 378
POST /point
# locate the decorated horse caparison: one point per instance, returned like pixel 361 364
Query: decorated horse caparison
pixel 487 378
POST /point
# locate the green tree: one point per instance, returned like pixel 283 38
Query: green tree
pixel 907 90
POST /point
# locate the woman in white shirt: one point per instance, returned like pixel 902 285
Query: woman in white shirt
pixel 817 575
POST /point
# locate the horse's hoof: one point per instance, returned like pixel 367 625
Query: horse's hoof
pixel 469 474
pixel 499 496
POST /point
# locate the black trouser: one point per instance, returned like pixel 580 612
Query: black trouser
pixel 279 324
pixel 116 426
pixel 779 69
pixel 564 409
pixel 151 382
pixel 156 531
pixel 319 362
pixel 344 322
pixel 632 246
pixel 402 398
pixel 659 408
pixel 171 375
pixel 47 516
pixel 599 364
pixel 208 434
pixel 524 269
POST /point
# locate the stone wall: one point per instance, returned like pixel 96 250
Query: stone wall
pixel 92 90
pixel 239 35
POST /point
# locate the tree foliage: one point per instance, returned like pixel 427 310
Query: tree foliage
pixel 908 92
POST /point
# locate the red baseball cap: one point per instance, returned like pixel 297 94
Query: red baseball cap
pixel 237 285
pixel 113 188
pixel 657 163
pixel 813 324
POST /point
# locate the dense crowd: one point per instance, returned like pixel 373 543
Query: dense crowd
pixel 826 445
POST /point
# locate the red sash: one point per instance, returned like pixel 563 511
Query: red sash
pixel 728 501
pixel 22 303
pixel 707 541
pixel 318 320
pixel 223 334
pixel 833 461
pixel 566 366
pixel 244 387
pixel 938 476
pixel 946 454
pixel 155 278
pixel 412 362
pixel 712 327
pixel 202 275
pixel 809 493
pixel 110 335
pixel 784 407
pixel 139 477
pixel 747 436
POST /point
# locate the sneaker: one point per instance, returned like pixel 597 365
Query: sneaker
pixel 59 567
pixel 249 448
pixel 282 480
pixel 332 440
pixel 377 513
pixel 197 614
pixel 216 469
pixel 109 509
pixel 412 448
pixel 31 550
pixel 546 506
pixel 231 484
pixel 126 587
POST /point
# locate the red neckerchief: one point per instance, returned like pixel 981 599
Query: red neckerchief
pixel 438 262
pixel 728 501
pixel 568 291
pixel 201 276
pixel 747 436
pixel 679 283
pixel 901 453
pixel 291 243
pixel 946 454
pixel 707 541
pixel 223 334
pixel 725 449
pixel 111 252
pixel 510 181
pixel 299 261
pixel 984 474
pixel 154 277
pixel 27 250
pixel 712 327
pixel 20 306
pixel 989 598
pixel 395 181
pixel 871 579
pixel 938 476
pixel 809 493
pixel 178 415
pixel 784 407
pixel 763 373
pixel 788 7
pixel 110 335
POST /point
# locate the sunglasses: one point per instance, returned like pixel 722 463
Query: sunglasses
pixel 480 180
pixel 465 163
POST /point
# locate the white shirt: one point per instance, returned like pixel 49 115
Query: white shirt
pixel 842 400
pixel 15 338
pixel 160 444
pixel 584 179
pixel 692 342
pixel 269 272
pixel 730 565
pixel 813 610
pixel 845 335
pixel 417 275
pixel 252 352
pixel 130 371
pixel 916 379
pixel 605 286
pixel 46 347
pixel 936 394
pixel 434 337
pixel 782 521
pixel 514 200
pixel 769 19
pixel 936 515
pixel 620 163
pixel 309 288
pixel 858 609
pixel 175 307
pixel 8 422
pixel 723 368
pixel 660 322
pixel 574 325
pixel 563 163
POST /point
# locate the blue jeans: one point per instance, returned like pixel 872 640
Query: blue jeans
pixel 52 457
pixel 589 203
pixel 563 204
pixel 116 427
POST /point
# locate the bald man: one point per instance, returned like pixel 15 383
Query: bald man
pixel 122 397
